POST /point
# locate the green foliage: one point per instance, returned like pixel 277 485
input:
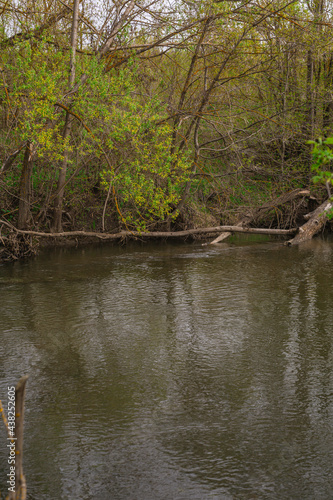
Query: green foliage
pixel 322 156
pixel 112 117
pixel 149 184
pixel 134 116
pixel 146 178
pixel 36 84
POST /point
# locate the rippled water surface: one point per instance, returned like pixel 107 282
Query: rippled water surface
pixel 174 372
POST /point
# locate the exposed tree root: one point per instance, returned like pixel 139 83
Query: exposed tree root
pixel 15 246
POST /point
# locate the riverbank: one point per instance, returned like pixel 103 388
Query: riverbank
pixel 280 216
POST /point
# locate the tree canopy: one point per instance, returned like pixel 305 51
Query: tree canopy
pixel 124 114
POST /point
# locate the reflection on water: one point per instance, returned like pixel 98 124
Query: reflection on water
pixel 173 372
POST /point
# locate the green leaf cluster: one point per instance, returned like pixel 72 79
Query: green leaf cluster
pixel 322 156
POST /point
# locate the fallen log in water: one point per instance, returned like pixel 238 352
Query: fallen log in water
pixel 155 234
pixel 316 222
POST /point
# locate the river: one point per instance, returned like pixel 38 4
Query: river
pixel 173 371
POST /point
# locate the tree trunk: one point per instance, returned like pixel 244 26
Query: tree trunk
pixel 310 114
pixel 24 203
pixel 57 214
pixel 58 201
pixel 328 102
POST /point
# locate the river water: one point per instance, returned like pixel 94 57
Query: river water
pixel 174 372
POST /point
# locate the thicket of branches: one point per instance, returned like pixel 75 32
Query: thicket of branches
pixel 129 114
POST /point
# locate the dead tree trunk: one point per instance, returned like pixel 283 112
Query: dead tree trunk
pixel 316 222
pixel 24 203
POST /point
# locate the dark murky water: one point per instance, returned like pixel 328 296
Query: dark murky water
pixel 164 372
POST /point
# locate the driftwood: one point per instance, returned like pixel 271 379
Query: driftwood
pixel 316 222
pixel 266 207
pixel 155 234
pixel 223 236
